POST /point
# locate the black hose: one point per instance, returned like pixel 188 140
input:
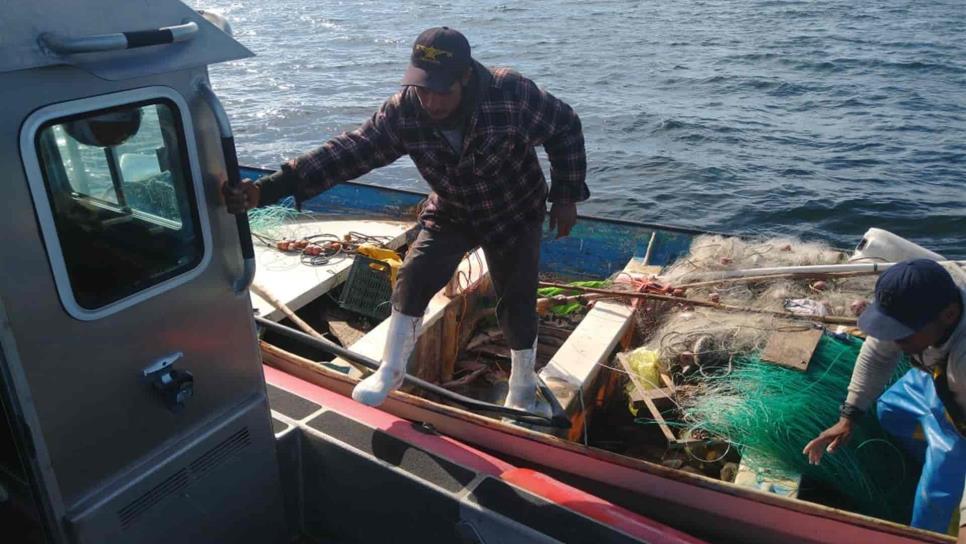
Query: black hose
pixel 558 420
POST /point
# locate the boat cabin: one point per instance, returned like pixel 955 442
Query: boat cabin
pixel 129 366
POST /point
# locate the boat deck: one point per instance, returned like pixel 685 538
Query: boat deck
pixel 573 374
pixel 295 283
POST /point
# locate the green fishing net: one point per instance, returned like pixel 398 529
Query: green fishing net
pixel 770 413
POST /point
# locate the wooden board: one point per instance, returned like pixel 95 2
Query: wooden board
pixel 656 394
pixel 297 284
pixel 643 394
pixel 574 367
pixel 426 362
pixel 792 349
pixel 449 347
pixel 346 333
pixel 371 345
pixel 638 268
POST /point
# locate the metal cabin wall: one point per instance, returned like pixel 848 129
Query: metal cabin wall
pixel 100 426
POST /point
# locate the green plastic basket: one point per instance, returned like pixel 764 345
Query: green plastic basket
pixel 368 289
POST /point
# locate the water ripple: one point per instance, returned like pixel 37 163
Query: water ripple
pixel 763 116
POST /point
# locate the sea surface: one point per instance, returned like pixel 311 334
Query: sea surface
pixel 818 119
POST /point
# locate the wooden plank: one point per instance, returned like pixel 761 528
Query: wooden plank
pixel 297 284
pixel 449 339
pixel 578 360
pixel 426 364
pixel 668 382
pixel 648 402
pixel 636 267
pixel 791 349
pixel 576 364
pixel 660 393
pixel 346 333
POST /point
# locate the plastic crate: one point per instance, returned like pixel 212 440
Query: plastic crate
pixel 368 289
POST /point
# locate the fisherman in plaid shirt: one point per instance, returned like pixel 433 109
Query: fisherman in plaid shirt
pixel 472 133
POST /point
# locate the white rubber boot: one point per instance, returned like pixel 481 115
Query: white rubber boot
pixel 399 346
pixel 522 394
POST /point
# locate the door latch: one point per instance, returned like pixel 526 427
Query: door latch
pixel 175 386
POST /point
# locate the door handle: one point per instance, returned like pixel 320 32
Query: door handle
pixel 67 45
pixel 175 386
pixel 234 179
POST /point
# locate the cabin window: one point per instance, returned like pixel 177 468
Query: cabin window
pixel 119 186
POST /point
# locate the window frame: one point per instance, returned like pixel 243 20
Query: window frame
pixel 44 212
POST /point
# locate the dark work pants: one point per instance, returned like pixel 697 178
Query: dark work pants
pixel 432 261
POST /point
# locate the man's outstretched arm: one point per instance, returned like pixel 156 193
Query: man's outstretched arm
pixel 345 157
pixel 876 362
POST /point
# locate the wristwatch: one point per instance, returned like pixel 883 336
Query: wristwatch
pixel 850 412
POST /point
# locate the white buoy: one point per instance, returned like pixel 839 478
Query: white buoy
pixel 883 246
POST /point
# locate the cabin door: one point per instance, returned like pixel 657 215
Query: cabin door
pixel 134 358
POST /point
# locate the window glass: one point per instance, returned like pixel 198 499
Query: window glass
pixel 121 197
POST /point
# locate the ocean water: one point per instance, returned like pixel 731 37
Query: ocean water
pixel 812 118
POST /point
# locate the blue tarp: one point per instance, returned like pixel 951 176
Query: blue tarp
pixel 912 412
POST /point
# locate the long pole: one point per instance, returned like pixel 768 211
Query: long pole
pixel 809 269
pixel 788 276
pixel 282 307
pixel 558 419
pixel 831 320
pixel 267 295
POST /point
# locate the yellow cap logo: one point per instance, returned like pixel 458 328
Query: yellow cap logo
pixel 431 54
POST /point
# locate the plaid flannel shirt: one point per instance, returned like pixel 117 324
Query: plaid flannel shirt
pixel 490 189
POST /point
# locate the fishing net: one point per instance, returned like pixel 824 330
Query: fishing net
pixel 838 296
pixel 275 221
pixel 764 411
pixel 690 337
pixel 704 338
pixel 715 253
pixel 769 413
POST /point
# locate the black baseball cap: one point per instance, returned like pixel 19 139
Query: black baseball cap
pixel 908 296
pixel 440 56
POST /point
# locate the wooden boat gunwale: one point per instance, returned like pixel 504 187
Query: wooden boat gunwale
pixel 253 172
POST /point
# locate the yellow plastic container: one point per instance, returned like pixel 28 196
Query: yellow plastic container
pixel 387 256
